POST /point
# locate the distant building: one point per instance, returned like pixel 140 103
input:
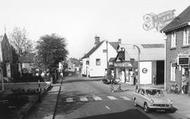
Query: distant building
pixel 178 49
pixel 27 62
pixel 94 63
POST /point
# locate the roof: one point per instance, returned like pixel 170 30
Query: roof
pixel 92 50
pixel 113 44
pixel 180 21
pixel 152 45
pixel 29 58
pixel 148 52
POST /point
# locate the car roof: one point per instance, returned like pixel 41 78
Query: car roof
pixel 148 88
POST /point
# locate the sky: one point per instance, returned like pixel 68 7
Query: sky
pixel 79 21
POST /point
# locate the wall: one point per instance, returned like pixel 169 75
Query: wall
pixel 96 71
pixel 171 55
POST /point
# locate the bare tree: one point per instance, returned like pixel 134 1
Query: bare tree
pixel 21 43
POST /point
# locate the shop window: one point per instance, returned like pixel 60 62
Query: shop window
pixel 172 72
pixel 186 37
pixel 98 62
pixel 173 40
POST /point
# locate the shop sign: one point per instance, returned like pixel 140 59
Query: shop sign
pixel 122 64
pixel 183 59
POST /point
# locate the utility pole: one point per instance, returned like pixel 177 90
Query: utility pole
pixel 138 79
pixel 107 54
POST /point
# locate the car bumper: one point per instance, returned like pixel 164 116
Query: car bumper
pixel 161 107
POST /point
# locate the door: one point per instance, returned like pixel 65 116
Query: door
pixel 159 72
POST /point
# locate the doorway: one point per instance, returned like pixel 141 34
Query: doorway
pixel 159 72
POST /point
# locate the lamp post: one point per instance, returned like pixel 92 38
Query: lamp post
pixel 139 52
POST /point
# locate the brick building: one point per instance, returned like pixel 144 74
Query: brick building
pixel 178 50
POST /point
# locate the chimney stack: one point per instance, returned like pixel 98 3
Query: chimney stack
pixel 119 40
pixel 97 40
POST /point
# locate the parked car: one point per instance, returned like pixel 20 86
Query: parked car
pixel 152 99
pixel 108 81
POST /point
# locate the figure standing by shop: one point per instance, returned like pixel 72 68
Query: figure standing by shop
pixel 184 84
pixel 154 79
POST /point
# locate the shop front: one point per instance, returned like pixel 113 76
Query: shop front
pixel 124 71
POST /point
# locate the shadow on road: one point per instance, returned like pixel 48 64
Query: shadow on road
pixel 80 80
pixel 128 114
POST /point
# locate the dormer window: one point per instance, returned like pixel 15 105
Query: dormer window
pixel 173 40
pixel 186 37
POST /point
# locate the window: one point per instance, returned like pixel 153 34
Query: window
pixel 173 40
pixel 172 73
pixel 186 37
pixel 98 62
pixel 87 62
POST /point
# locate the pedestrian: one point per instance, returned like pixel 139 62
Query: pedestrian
pixel 112 80
pixel 183 84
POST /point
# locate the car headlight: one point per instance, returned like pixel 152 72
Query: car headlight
pixel 170 101
pixel 151 101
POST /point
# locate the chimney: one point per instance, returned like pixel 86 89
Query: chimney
pixel 119 40
pixel 97 40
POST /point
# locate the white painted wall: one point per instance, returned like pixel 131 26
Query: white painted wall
pixel 84 66
pixel 100 70
pixel 146 76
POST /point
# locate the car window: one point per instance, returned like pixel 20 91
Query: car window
pixel 142 92
pixel 139 90
pixel 154 92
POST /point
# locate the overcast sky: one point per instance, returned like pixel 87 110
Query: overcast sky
pixel 80 20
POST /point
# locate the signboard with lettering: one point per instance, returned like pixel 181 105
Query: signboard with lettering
pixel 122 64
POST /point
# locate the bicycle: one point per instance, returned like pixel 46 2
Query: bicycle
pixel 116 84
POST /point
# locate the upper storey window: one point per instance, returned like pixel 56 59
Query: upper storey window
pixel 173 40
pixel 186 37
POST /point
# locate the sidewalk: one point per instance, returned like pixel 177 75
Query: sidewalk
pixel 46 108
pixel 180 101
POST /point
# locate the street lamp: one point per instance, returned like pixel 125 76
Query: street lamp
pixel 139 52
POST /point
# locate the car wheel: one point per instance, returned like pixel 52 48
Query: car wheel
pixel 135 102
pixel 146 108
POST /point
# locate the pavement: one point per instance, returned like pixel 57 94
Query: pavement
pixel 45 109
pixel 180 101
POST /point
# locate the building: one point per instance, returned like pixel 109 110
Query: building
pixel 151 63
pixel 95 62
pixel 27 62
pixel 178 49
pixel 9 59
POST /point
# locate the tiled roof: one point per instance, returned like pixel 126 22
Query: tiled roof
pixel 180 21
pixel 92 50
pixel 114 44
pixel 29 58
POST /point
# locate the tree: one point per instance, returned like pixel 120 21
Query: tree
pixel 21 43
pixel 51 49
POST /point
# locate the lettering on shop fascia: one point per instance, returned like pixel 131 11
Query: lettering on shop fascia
pixel 123 64
pixel 183 59
pixel 158 21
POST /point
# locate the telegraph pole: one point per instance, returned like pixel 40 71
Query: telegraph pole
pixel 139 52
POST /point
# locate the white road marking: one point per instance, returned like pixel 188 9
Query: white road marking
pixel 82 98
pixel 107 107
pixel 125 98
pixel 69 100
pixel 112 97
pixel 97 98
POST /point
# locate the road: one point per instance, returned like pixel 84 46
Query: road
pixel 91 99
